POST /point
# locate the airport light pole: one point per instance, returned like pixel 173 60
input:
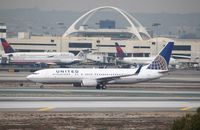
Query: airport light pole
pixel 98 36
pixel 156 26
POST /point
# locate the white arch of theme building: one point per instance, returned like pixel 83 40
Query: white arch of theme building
pixel 135 26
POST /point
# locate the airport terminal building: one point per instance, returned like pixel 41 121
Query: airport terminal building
pixel 137 48
pixel 135 40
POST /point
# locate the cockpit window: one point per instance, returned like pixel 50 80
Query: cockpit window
pixel 35 73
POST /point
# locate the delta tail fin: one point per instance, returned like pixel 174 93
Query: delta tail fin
pixel 120 52
pixel 161 61
pixel 6 46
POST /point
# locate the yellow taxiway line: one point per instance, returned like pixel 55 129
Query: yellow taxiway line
pixel 46 109
pixel 185 108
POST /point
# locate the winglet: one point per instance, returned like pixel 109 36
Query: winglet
pixel 7 48
pixel 138 70
pixel 161 61
pixel 120 52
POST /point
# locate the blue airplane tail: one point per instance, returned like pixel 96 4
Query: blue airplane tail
pixel 7 48
pixel 161 61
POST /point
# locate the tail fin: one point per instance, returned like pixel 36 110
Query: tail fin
pixel 120 52
pixel 7 48
pixel 161 61
pixel 80 56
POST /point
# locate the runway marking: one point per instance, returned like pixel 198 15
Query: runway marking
pixel 46 109
pixel 185 108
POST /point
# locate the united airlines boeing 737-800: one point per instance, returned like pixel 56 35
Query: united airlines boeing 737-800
pixel 101 77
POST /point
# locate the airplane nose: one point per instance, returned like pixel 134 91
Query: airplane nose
pixel 29 77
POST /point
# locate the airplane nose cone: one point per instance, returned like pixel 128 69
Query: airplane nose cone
pixel 29 77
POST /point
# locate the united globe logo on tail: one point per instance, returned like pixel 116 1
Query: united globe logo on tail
pixel 161 61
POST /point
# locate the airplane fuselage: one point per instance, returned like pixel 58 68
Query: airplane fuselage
pixel 91 77
pixel 141 60
pixel 101 77
pixel 40 57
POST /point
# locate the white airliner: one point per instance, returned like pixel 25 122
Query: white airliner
pixel 38 57
pixel 136 60
pixel 95 57
pixel 101 77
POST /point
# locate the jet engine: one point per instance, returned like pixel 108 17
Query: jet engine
pixel 88 83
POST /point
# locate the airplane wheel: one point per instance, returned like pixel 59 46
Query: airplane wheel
pixel 98 86
pixel 42 86
pixel 104 87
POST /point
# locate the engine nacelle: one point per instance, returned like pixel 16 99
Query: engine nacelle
pixel 77 85
pixel 88 83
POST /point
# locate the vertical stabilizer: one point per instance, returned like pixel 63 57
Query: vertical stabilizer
pixel 161 61
pixel 7 48
pixel 120 52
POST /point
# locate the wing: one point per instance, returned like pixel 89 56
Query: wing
pixel 51 63
pixel 47 63
pixel 50 56
pixel 107 79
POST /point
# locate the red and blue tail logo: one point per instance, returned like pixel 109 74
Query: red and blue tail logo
pixel 7 48
pixel 120 53
pixel 161 61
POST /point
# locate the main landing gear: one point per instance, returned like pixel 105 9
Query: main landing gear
pixel 101 86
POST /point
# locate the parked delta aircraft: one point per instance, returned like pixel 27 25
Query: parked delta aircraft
pixel 38 57
pixel 101 77
pixel 135 60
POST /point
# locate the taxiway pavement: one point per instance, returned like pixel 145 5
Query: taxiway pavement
pixel 105 100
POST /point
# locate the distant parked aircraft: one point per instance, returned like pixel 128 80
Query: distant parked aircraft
pixel 38 57
pixel 121 57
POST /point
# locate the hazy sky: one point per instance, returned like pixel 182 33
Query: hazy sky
pixel 168 6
